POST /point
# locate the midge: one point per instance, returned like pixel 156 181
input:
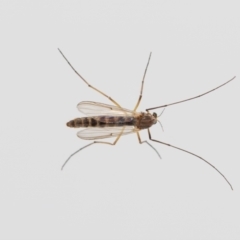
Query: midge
pixel 105 121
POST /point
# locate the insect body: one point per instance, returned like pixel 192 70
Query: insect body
pixel 116 118
pixel 106 121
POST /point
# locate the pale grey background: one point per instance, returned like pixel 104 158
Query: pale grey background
pixel 121 192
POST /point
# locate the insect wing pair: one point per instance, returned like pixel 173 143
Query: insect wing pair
pixel 108 114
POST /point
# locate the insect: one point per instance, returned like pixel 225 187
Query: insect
pixel 106 121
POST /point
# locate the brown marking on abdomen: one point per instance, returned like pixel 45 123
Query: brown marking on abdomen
pixel 79 122
pixel 75 123
pixel 86 122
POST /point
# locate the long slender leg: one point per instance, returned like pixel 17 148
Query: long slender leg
pixel 140 96
pixel 169 145
pixel 116 140
pixel 140 141
pixel 75 153
pixel 88 83
pixel 166 105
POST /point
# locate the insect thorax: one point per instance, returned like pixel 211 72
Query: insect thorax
pixel 145 120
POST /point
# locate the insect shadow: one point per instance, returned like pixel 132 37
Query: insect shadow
pixel 106 121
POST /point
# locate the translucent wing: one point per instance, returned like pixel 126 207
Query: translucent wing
pixel 106 132
pixel 101 109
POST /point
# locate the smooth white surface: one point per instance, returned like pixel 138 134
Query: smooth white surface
pixel 121 192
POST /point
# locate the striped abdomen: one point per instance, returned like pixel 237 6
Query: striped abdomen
pixel 101 121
